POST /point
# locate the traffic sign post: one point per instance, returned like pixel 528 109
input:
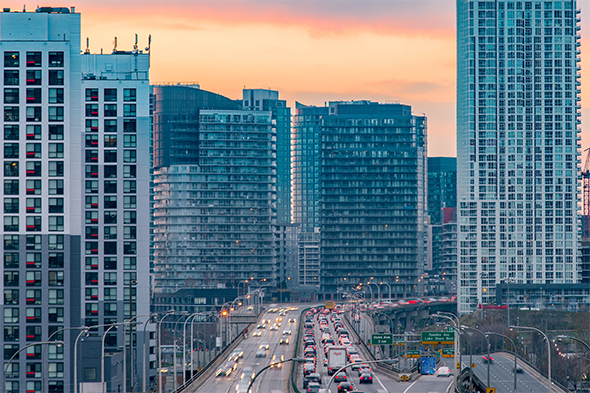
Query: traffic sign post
pixel 381 339
pixel 438 337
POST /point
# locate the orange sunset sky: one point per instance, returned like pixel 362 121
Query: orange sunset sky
pixel 312 51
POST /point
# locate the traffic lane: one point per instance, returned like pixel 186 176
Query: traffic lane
pixel 525 381
pixel 432 383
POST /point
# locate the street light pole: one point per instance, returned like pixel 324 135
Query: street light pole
pixel 388 286
pixel 488 341
pixel 515 357
pixel 159 378
pixel 130 353
pixel 548 350
pixel 84 331
pixel 102 359
pixel 183 314
pixel 44 356
pixel 144 381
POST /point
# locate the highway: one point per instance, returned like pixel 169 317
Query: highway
pixel 272 380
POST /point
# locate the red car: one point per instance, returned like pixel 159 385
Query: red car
pixel 487 359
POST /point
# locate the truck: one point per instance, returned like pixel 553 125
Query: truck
pixel 336 359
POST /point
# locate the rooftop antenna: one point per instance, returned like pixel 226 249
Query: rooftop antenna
pixel 135 46
pixel 87 51
pixel 24 8
pixel 149 43
pixel 115 48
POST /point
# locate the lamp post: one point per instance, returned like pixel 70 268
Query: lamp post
pixel 453 318
pixel 184 345
pixel 84 331
pixel 273 364
pixel 44 357
pixel 183 314
pixel 370 289
pixel 144 381
pixel 488 341
pixel 102 357
pixel 57 342
pixel 170 312
pixel 130 353
pixel 192 340
pixel 378 289
pixel 388 286
pixel 548 350
pixel 515 357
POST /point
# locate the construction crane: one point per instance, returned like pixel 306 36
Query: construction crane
pixel 586 196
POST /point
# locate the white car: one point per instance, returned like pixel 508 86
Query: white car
pixel 443 372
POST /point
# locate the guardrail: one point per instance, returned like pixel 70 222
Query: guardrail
pixel 207 369
pixel 294 365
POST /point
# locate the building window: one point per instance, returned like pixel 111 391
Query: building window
pixel 56 150
pixel 129 110
pixel 56 59
pixel 129 186
pixel 11 297
pixel 33 260
pixel 110 263
pixel 110 202
pixel 33 96
pixel 92 233
pixel 33 77
pixel 33 205
pixel 92 262
pixel 129 140
pixel 33 168
pixel 129 125
pixel 110 171
pixel 92 201
pixel 110 156
pixel 33 334
pixel 110 233
pixel 56 279
pixel 56 113
pixel 55 370
pixel 56 169
pixel 55 296
pixel 91 110
pixel 11 315
pixel 10 187
pixel 56 78
pixel 56 205
pixel 11 205
pixel 129 202
pixel 129 95
pixel 110 248
pixel 129 248
pixel 110 110
pixel 10 223
pixel 130 232
pixel 129 156
pixel 11 132
pixel 110 95
pixel 110 217
pixel 56 242
pixel 91 248
pixel 130 217
pixel 33 315
pixel 56 132
pixel 130 263
pixel 11 150
pixel 56 223
pixel 91 186
pixel 56 187
pixel 11 333
pixel 34 297
pixel 56 314
pixel 11 279
pixel 110 278
pixel 129 171
pixel 33 187
pixel 33 59
pixel 11 78
pixel 11 260
pixel 91 293
pixel 110 125
pixel 110 141
pixel 33 224
pixel 110 186
pixel 11 59
pixel 110 294
pixel 11 169
pixel 33 150
pixel 56 260
pixel 91 125
pixel 110 309
pixel 91 309
pixel 33 242
pixel 33 132
pixel 92 217
pixel 11 96
pixel 34 113
pixel 91 155
pixel 11 113
pixel 91 171
pixel 56 96
pixel 91 94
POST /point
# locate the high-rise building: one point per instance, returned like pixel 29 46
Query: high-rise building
pixel 73 184
pixel 364 163
pixel 518 145
pixel 268 100
pixel 215 191
pixel 442 186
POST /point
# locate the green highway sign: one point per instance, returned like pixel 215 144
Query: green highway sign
pixel 381 339
pixel 438 337
pixel 399 339
pixel 413 354
pixel 448 352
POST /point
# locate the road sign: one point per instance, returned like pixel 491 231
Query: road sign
pixel 413 354
pixel 399 339
pixel 330 305
pixel 381 339
pixel 490 390
pixel 472 365
pixel 458 365
pixel 428 366
pixel 438 337
pixel 448 352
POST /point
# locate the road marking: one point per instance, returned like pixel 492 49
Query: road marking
pixel 409 387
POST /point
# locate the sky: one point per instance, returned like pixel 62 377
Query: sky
pixel 311 51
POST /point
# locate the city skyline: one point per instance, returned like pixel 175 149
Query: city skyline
pixel 301 49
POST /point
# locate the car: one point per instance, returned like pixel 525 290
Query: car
pixel 264 346
pixel 313 387
pixel 341 376
pixel 518 369
pixel 261 353
pixel 313 377
pixel 292 320
pixel 248 373
pixel 260 326
pixel 256 334
pixel 366 378
pixel 308 368
pixel 364 369
pixel 443 372
pixel 487 359
pixel 274 327
pixel 226 369
pixel 286 332
pixel 345 387
pixel 284 341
